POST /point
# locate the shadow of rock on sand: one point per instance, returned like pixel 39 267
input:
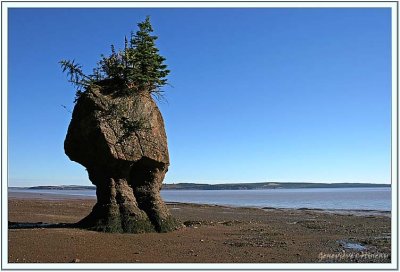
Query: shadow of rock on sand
pixel 38 225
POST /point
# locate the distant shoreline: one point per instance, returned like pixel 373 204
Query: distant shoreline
pixel 227 186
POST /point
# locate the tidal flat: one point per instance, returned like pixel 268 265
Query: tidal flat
pixel 212 234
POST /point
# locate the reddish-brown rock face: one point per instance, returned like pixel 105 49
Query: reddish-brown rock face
pixel 122 143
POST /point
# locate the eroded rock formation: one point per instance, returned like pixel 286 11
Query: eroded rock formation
pixel 122 143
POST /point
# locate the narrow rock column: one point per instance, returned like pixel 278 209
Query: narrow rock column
pixel 116 209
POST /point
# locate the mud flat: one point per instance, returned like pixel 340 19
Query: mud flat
pixel 213 234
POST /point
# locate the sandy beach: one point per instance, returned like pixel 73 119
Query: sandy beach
pixel 213 234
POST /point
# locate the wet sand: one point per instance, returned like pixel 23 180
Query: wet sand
pixel 213 234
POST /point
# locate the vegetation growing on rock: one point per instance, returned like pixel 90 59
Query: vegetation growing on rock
pixel 135 69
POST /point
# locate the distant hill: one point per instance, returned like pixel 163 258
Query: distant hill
pixel 227 186
pixel 266 185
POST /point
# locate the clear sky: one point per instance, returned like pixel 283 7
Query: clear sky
pixel 258 94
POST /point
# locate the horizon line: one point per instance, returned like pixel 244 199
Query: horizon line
pixel 174 183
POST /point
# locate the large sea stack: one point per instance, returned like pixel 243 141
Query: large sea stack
pixel 122 142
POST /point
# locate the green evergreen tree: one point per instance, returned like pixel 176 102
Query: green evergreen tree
pixel 149 71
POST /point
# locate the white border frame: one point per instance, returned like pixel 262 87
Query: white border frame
pixel 185 4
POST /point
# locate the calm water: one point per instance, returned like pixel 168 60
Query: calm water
pixel 334 198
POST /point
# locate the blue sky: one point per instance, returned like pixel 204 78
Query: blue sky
pixel 257 94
